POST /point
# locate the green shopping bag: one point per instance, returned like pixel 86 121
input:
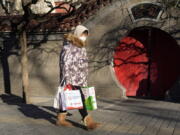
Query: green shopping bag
pixel 90 98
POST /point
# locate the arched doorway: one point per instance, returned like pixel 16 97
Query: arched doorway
pixel 147 62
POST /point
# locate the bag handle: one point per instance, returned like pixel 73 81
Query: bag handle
pixel 62 81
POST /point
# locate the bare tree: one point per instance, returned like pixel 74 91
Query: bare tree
pixel 26 19
pixel 21 25
pixel 22 19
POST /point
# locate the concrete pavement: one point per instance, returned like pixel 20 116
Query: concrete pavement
pixel 128 117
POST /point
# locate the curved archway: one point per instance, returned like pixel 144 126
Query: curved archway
pixel 151 63
pixel 108 26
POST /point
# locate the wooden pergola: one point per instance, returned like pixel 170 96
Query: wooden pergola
pixel 62 21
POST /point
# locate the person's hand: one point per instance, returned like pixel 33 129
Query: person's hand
pixel 68 87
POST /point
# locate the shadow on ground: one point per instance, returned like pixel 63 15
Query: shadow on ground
pixel 33 111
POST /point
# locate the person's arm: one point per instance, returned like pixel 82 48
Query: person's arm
pixel 67 60
pixel 85 60
pixel 84 67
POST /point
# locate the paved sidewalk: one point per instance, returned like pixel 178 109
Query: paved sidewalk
pixel 130 117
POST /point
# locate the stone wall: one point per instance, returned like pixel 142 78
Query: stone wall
pixel 107 26
pixel 43 68
pixel 111 24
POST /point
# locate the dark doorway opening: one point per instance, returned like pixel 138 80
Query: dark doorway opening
pixel 147 62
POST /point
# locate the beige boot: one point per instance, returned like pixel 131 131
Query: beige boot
pixel 61 120
pixel 90 123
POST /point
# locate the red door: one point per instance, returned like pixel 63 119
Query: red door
pixel 147 62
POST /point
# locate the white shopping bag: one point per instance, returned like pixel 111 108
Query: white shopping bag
pixel 71 99
pixel 90 98
pixel 57 101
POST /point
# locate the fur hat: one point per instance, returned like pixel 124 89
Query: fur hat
pixel 74 38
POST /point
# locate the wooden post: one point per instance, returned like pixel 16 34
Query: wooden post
pixel 150 62
pixel 24 66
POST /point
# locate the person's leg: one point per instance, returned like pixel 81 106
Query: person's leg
pixel 82 111
pixel 87 119
pixel 61 119
pixel 60 111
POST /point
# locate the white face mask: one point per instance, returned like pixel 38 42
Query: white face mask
pixel 83 38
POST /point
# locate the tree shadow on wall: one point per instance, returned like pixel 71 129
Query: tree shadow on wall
pixel 8 47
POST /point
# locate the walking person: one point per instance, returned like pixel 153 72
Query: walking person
pixel 74 71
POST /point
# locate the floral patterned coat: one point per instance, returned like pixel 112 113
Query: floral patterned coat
pixel 73 62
